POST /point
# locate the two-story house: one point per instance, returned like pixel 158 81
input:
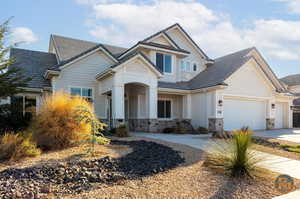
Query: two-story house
pixel 163 79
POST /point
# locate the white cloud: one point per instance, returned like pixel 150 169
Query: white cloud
pixel 23 35
pixel 126 23
pixel 292 5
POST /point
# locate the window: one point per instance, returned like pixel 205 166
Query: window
pixel 24 105
pixel 164 109
pixel 164 62
pixel 182 65
pixel 195 67
pixel 188 66
pixel 86 93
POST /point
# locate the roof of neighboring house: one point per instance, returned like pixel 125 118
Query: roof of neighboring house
pixel 215 74
pixel 291 80
pixel 33 64
pixel 67 48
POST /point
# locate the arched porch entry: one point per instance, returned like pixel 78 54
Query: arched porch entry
pixel 133 104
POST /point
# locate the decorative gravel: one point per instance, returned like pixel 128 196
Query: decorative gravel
pixel 73 177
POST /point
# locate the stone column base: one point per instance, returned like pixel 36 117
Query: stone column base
pixel 117 122
pixel 215 124
pixel 270 123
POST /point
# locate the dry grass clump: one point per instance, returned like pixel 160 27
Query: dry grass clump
pixel 14 146
pixel 233 156
pixel 56 125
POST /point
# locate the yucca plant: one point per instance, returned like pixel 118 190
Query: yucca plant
pixel 233 156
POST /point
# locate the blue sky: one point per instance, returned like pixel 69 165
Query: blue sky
pixel 218 26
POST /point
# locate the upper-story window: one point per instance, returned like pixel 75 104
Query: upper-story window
pixel 185 66
pixel 86 93
pixel 164 62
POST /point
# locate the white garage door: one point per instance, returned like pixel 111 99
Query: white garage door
pixel 279 116
pixel 239 113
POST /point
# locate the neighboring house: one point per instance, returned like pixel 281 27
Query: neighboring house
pixel 162 80
pixel 292 83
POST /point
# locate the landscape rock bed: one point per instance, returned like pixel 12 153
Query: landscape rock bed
pixel 72 177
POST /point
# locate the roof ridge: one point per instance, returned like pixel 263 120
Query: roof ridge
pixel 37 51
pixel 233 53
pixel 96 43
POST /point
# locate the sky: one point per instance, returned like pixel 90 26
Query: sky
pixel 219 27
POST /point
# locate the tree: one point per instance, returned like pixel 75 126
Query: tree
pixel 11 78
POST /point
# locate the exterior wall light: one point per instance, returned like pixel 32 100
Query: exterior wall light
pixel 273 106
pixel 220 102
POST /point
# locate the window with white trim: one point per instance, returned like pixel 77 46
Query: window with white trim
pixel 164 62
pixel 188 66
pixel 164 108
pixel 86 93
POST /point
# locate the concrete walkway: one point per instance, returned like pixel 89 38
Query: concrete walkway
pixel 272 162
pixel 292 135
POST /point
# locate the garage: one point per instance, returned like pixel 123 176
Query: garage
pixel 279 110
pixel 239 113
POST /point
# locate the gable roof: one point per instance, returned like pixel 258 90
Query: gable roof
pixel 291 80
pixel 67 48
pixel 215 74
pixel 33 64
pixel 184 32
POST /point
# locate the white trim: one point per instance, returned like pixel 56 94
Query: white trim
pixel 146 62
pixel 171 108
pixel 183 91
pixel 172 63
pixel 153 48
pixel 81 87
pixel 164 36
pixel 88 54
pixel 187 38
pixel 246 97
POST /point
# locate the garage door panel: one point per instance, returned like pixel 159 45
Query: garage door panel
pixel 239 113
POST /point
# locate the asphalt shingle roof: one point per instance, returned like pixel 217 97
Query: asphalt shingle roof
pixel 33 64
pixel 291 80
pixel 68 47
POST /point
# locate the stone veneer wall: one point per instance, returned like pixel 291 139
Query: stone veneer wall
pixel 270 123
pixel 215 124
pixel 156 125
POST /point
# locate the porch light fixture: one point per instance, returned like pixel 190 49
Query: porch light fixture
pixel 220 102
pixel 273 106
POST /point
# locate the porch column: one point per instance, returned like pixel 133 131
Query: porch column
pixel 152 102
pixel 187 106
pixel 118 104
pixel 152 109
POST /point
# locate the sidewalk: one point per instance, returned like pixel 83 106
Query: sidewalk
pixel 271 162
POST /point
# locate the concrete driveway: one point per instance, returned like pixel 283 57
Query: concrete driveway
pixel 292 135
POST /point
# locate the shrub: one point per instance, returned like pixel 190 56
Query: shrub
pixel 179 128
pixel 14 146
pixel 56 125
pixel 233 155
pixel 122 131
pixel 84 114
pixel 202 130
pixel 12 118
pixel 169 130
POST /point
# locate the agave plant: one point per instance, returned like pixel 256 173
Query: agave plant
pixel 233 156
